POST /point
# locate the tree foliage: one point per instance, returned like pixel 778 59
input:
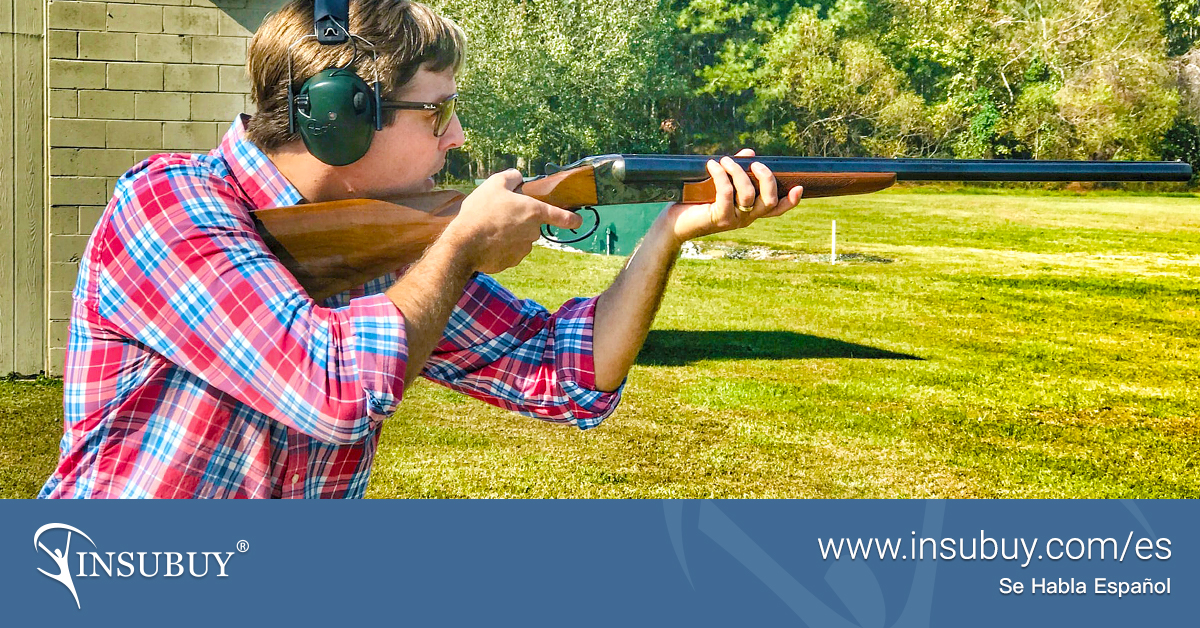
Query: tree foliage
pixel 553 80
pixel 556 81
pixel 1182 19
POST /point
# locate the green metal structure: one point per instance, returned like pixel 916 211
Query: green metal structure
pixel 621 228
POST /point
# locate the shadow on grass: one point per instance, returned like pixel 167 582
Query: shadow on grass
pixel 669 347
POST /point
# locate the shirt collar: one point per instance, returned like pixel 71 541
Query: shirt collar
pixel 262 182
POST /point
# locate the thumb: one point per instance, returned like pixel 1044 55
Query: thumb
pixel 509 179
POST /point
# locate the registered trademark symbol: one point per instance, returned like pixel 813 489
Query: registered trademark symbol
pixel 242 546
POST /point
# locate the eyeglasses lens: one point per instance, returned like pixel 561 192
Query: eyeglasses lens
pixel 445 115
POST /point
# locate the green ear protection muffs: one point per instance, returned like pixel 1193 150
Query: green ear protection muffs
pixel 336 113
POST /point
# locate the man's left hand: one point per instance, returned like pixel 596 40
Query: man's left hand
pixel 737 203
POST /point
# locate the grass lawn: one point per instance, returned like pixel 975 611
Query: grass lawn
pixel 970 345
pixel 31 415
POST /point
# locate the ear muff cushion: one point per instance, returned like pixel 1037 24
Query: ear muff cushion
pixel 339 120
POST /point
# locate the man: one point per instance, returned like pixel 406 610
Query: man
pixel 198 367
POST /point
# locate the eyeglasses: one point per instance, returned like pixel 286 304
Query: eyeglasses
pixel 444 109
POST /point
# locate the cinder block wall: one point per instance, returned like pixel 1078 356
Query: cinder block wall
pixel 127 80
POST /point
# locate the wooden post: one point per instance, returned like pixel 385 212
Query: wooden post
pixel 22 189
pixel 833 245
pixel 7 176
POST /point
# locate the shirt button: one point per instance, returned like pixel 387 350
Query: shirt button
pixel 295 478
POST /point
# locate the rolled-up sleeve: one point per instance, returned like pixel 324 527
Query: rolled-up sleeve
pixel 515 354
pixel 380 350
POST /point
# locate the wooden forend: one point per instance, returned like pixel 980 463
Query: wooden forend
pixel 816 184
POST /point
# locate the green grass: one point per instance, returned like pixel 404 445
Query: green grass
pixel 1016 345
pixel 31 414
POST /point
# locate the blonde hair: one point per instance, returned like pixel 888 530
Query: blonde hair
pixel 404 36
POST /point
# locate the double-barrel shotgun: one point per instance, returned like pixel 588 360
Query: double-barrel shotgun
pixel 334 246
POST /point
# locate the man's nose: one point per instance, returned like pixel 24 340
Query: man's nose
pixel 454 137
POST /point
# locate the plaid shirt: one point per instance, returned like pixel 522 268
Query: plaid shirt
pixel 198 367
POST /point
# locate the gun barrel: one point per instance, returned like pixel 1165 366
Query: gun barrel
pixel 643 168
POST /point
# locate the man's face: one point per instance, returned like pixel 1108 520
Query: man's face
pixel 405 155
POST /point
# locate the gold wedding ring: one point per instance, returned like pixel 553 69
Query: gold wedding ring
pixel 745 208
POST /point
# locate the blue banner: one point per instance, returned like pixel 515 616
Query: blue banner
pixel 822 564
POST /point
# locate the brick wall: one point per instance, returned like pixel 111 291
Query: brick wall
pixel 127 80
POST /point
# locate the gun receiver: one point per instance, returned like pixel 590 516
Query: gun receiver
pixel 334 246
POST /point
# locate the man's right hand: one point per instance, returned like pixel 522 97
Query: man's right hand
pixel 496 227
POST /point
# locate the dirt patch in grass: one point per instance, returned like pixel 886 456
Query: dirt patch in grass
pixel 716 249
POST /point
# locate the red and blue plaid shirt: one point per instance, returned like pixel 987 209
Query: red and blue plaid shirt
pixel 198 367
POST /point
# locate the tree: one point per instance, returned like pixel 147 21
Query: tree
pixel 1106 62
pixel 556 81
pixel 1182 21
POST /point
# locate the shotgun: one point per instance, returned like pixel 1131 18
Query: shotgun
pixel 334 246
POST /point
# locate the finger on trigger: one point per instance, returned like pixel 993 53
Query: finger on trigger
pixel 767 189
pixel 741 181
pixel 561 218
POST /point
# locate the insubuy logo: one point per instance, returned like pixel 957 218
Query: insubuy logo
pixel 95 564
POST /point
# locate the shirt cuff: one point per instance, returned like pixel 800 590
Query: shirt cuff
pixel 381 352
pixel 573 332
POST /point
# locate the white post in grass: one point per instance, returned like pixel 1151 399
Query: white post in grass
pixel 833 245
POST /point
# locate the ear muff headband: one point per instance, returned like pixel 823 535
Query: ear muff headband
pixel 336 112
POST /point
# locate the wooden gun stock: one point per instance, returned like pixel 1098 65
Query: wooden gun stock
pixel 332 247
